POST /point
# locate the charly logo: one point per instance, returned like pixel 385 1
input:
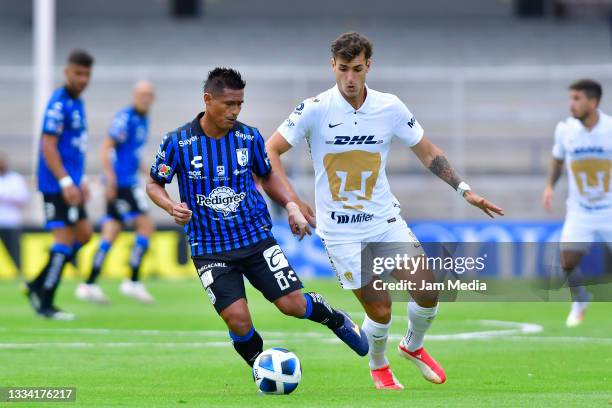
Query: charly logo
pixel 275 258
pixel 221 199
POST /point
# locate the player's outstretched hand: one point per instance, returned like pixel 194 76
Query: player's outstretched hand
pixel 477 201
pixel 297 222
pixel 181 213
pixel 307 212
pixel 547 199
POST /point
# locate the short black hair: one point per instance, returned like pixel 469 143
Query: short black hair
pixel 221 78
pixel 591 88
pixel 350 45
pixel 80 57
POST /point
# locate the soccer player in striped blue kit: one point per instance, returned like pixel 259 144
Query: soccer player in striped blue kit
pixel 61 169
pixel 216 159
pixel 126 201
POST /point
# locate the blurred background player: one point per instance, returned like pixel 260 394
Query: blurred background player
pixel 215 158
pixel 370 212
pixel 61 169
pixel 14 196
pixel 583 142
pixel 126 201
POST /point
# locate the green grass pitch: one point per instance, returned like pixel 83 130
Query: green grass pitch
pixel 177 353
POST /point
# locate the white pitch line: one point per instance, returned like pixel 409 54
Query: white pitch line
pixel 203 333
pixel 513 331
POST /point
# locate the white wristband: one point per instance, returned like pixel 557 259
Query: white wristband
pixel 66 181
pixel 291 206
pixel 462 188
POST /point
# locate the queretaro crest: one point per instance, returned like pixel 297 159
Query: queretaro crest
pixel 243 156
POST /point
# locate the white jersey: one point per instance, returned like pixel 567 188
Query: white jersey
pixel 349 151
pixel 588 158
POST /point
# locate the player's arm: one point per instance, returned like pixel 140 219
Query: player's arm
pixel 435 160
pixel 555 168
pixel 52 157
pixel 156 191
pixel 276 146
pixel 106 151
pixel 276 189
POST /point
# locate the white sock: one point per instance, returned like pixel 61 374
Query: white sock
pixel 377 334
pixel 420 319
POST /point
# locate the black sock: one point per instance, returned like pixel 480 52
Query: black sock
pixel 58 254
pixel 73 255
pixel 99 261
pixel 52 274
pixel 248 346
pixel 318 310
pixel 140 248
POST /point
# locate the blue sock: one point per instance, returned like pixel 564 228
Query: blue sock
pixel 248 346
pixel 98 261
pixel 140 248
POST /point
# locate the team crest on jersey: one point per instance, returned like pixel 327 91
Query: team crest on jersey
pixel 222 199
pixel 243 156
pixel 164 170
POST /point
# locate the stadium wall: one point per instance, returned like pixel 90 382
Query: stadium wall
pixel 164 259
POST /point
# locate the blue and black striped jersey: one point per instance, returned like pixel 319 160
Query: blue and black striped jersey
pixel 215 180
pixel 65 119
pixel 129 130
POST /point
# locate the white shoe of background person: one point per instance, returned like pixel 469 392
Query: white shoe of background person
pixel 136 290
pixel 91 293
pixel 576 314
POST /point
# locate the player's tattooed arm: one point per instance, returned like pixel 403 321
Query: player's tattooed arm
pixel 443 169
pixel 434 159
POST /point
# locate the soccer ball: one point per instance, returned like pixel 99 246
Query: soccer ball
pixel 277 371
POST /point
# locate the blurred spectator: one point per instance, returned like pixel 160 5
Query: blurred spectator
pixel 13 197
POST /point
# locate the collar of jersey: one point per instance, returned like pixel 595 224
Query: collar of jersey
pixel 198 131
pixel 347 107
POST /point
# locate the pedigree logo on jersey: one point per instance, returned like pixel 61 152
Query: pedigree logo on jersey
pixel 221 199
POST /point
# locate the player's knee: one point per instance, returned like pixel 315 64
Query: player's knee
pixel 379 311
pixel 569 261
pixel 293 304
pixel 426 298
pixel 238 323
pixel 84 234
pixel 145 226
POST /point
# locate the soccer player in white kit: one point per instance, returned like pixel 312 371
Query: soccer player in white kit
pixel 349 129
pixel 584 143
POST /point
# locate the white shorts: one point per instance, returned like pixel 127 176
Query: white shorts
pixel 581 230
pixel 345 257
